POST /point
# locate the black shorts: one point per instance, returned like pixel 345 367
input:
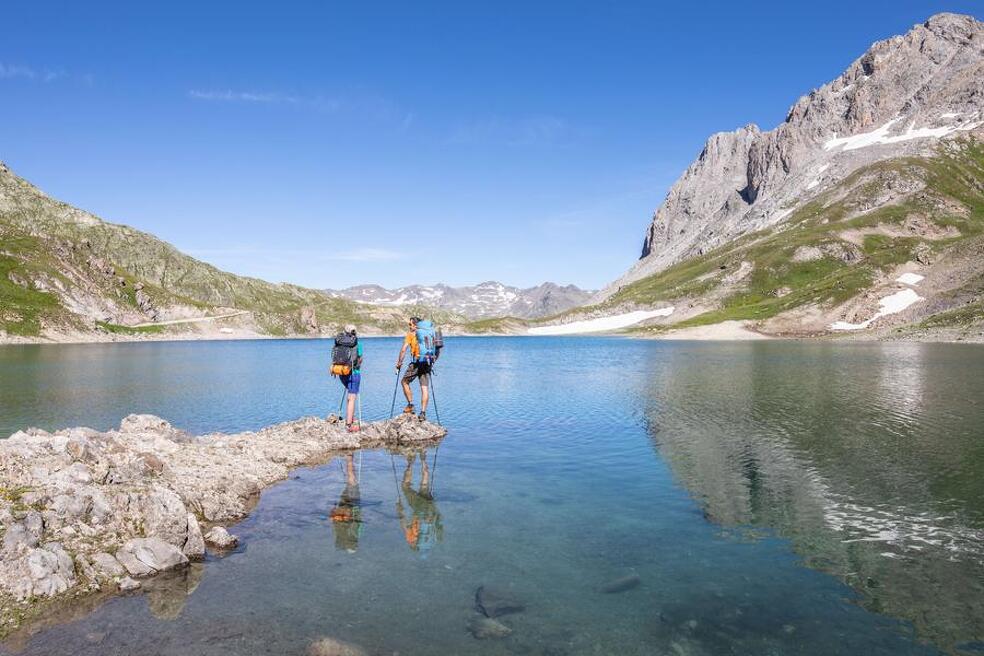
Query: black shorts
pixel 419 370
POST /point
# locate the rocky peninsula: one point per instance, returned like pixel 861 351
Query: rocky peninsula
pixel 83 511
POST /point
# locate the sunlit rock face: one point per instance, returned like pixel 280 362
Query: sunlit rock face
pixel 901 97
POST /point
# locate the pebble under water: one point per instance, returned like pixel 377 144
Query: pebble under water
pixel 610 495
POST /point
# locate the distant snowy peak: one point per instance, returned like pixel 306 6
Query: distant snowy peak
pixel 487 299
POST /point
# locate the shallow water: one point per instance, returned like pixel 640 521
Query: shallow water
pixel 773 498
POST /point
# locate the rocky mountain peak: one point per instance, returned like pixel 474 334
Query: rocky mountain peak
pixel 900 97
pixel 484 300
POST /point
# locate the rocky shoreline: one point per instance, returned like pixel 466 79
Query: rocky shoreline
pixel 83 511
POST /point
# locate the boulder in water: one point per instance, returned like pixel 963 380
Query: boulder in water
pixel 494 602
pixel 486 628
pixel 220 538
pixel 621 584
pixel 129 585
pixel 332 647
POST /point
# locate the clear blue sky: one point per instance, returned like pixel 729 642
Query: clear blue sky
pixel 329 143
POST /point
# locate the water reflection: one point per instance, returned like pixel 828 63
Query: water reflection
pixel 346 515
pixel 420 520
pixel 852 457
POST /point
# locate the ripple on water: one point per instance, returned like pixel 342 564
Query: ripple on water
pixel 770 498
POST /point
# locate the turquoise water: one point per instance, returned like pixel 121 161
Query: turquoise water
pixel 773 498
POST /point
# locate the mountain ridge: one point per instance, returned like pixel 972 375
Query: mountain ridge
pixel 489 299
pixel 861 214
pixel 67 274
pixel 904 93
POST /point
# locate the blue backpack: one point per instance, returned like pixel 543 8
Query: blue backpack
pixel 426 342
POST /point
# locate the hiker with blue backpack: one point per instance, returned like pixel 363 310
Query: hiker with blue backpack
pixel 424 344
pixel 346 365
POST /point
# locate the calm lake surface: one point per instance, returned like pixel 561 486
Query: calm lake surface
pixel 772 498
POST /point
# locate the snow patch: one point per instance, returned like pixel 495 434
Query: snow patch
pixel 910 278
pixel 602 323
pixel 881 136
pixel 891 304
pixel 816 181
pixel 950 115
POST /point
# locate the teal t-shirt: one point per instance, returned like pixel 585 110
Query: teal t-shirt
pixel 358 355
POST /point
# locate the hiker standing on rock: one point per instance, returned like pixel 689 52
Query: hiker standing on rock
pixel 346 363
pixel 421 341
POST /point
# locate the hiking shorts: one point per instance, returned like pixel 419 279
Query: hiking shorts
pixel 351 382
pixel 419 370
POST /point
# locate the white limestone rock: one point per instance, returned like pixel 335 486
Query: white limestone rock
pixel 220 538
pixel 147 556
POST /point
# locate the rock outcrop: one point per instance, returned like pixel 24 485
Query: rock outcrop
pixel 900 98
pixel 82 510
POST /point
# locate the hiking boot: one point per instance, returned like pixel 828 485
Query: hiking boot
pixel 423 415
pixel 408 410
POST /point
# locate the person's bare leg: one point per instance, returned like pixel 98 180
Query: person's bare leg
pixel 351 469
pixel 350 410
pixel 424 396
pixel 408 472
pixel 407 392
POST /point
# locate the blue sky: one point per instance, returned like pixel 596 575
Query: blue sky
pixel 331 144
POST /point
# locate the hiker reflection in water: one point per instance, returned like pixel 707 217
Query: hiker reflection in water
pixel 422 525
pixel 346 515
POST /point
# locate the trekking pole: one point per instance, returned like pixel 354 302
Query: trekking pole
pixel 396 388
pixel 342 402
pixel 434 394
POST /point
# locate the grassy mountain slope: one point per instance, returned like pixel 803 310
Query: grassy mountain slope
pixel 64 270
pixel 833 255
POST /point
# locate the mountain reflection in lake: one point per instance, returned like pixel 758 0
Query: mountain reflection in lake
pixel 801 498
pixel 868 458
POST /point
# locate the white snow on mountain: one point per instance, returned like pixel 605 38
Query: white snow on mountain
pixel 487 299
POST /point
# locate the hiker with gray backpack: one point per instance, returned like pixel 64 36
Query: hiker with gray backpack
pixel 346 364
pixel 424 342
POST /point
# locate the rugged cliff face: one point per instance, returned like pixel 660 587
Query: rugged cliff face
pixel 863 213
pixel 900 98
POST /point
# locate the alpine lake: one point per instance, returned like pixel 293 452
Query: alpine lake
pixel 624 496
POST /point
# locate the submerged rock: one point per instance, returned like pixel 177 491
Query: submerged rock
pixel 129 585
pixel 621 584
pixel 74 498
pixel 486 628
pixel 332 647
pixel 220 538
pixel 493 602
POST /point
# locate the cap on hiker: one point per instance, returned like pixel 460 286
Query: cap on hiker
pixel 350 329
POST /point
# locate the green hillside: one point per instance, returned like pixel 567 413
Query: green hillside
pixel 853 236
